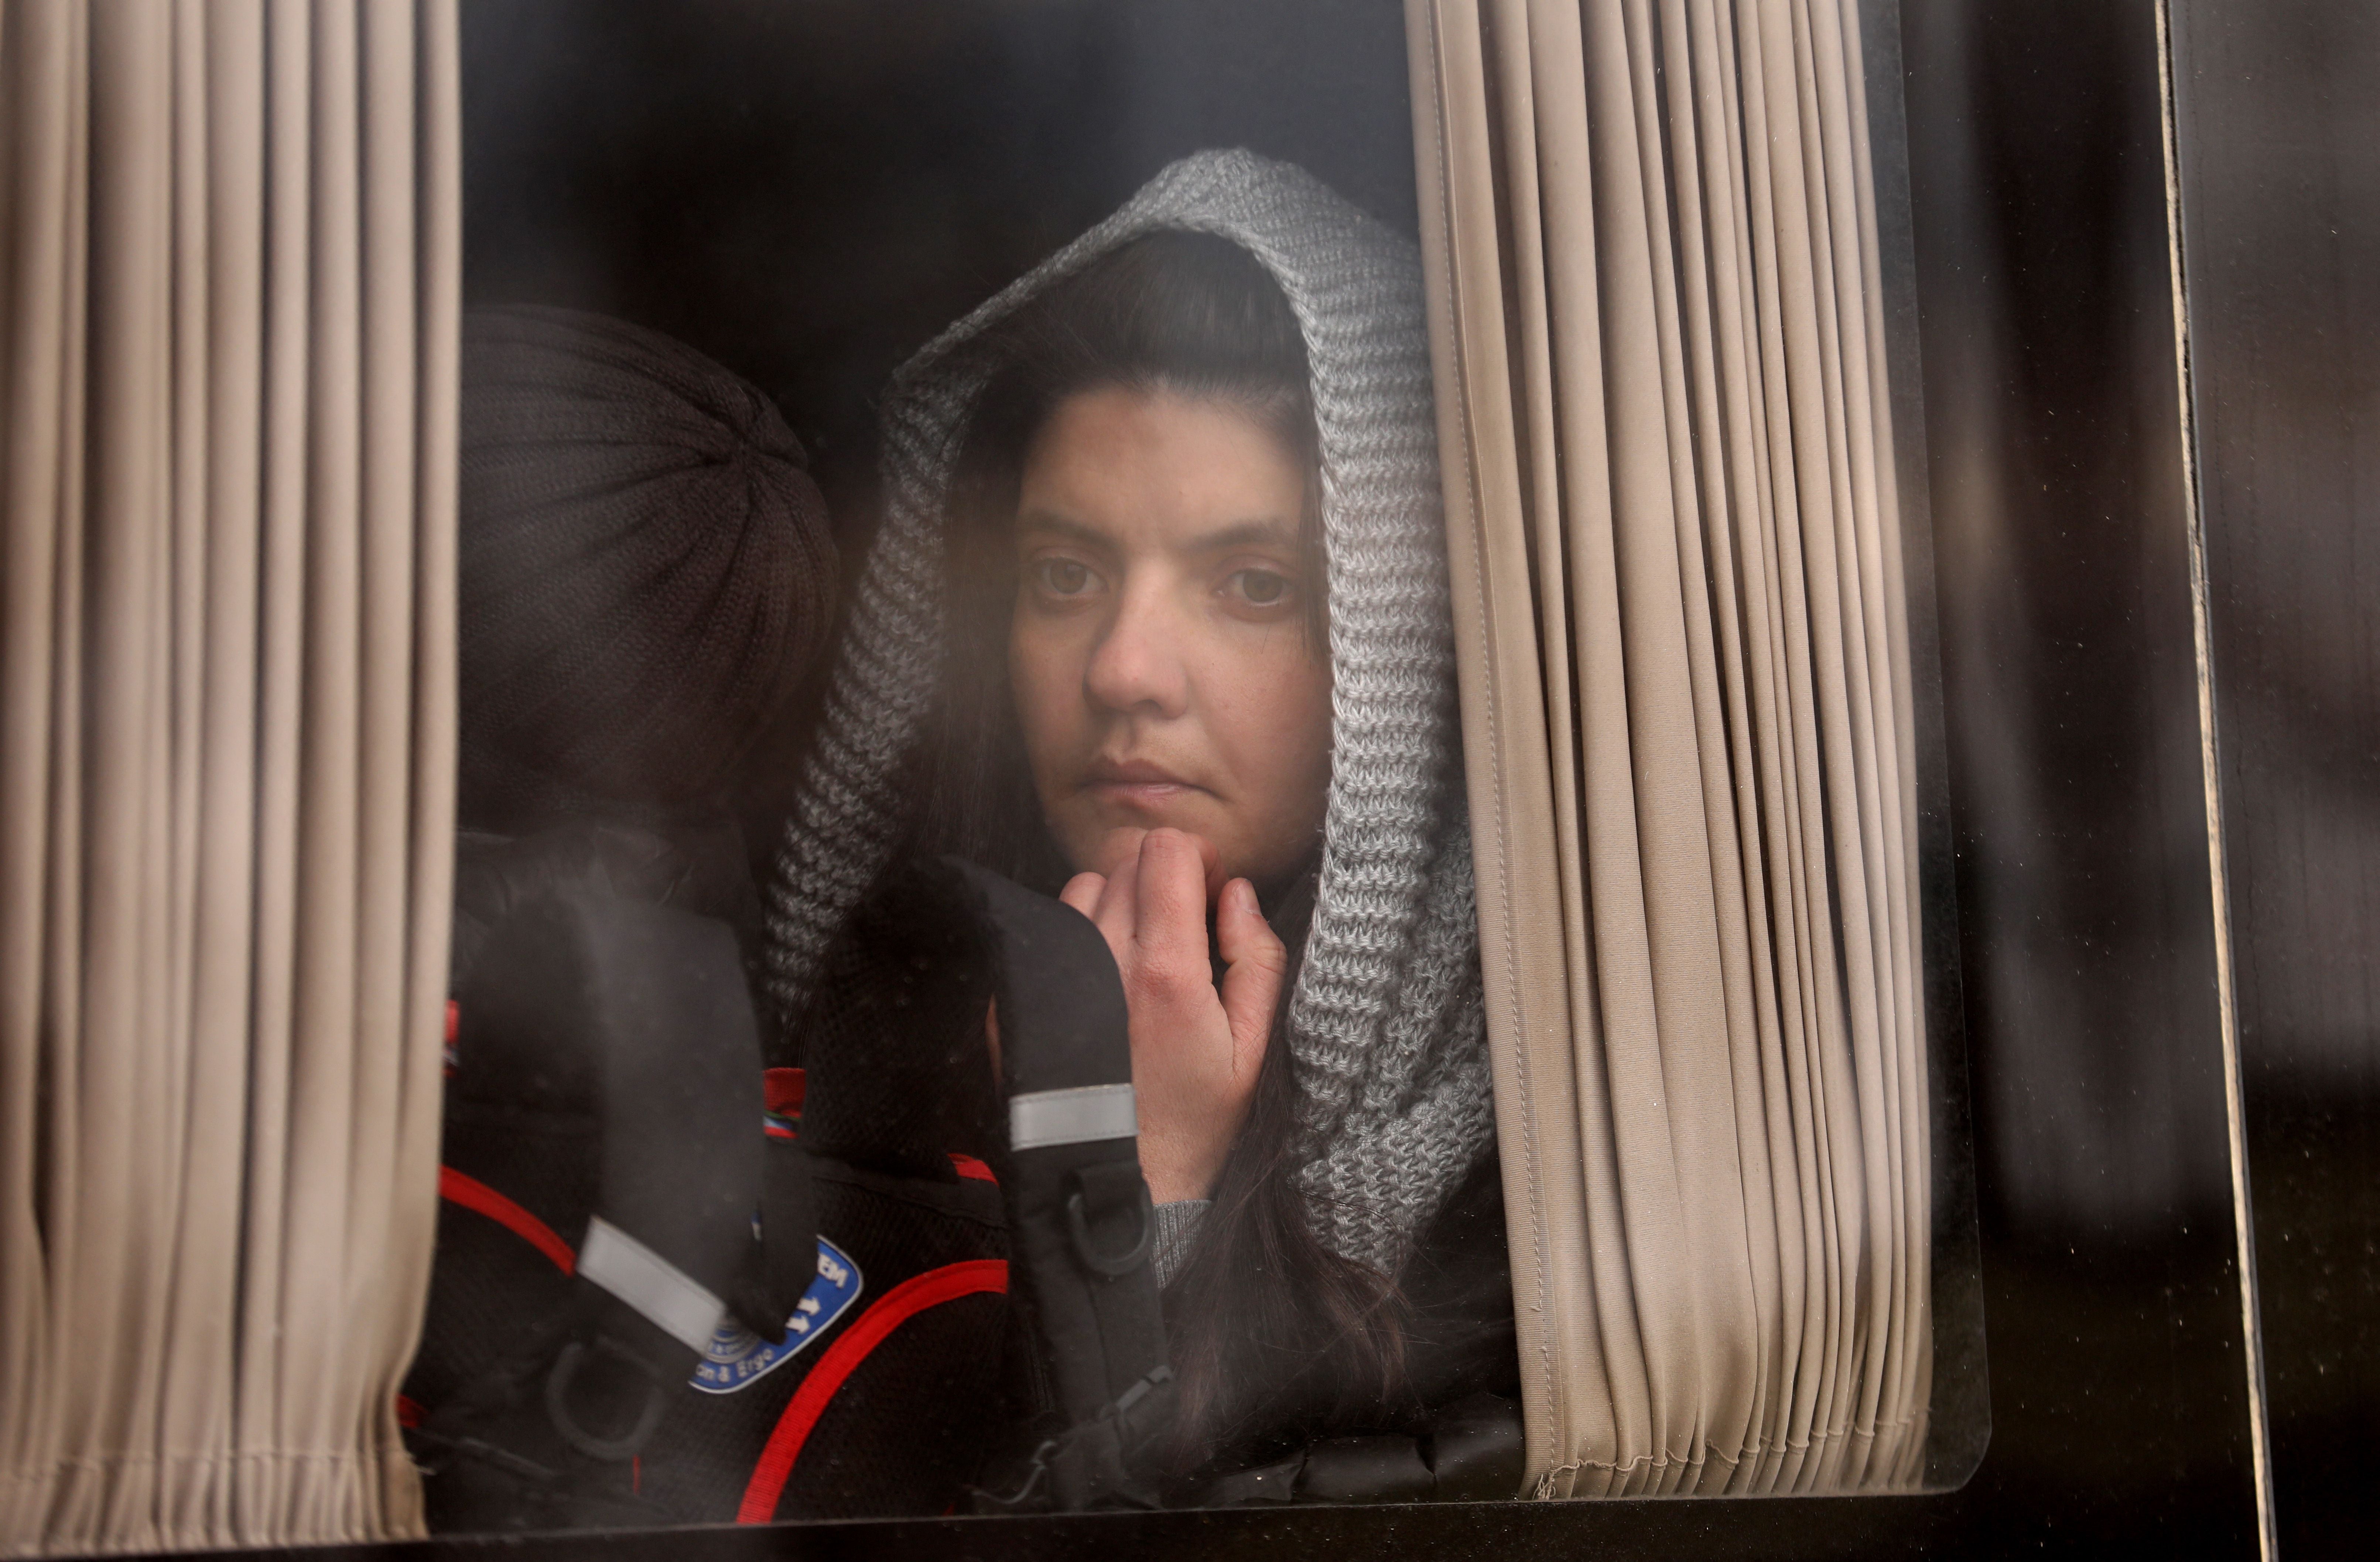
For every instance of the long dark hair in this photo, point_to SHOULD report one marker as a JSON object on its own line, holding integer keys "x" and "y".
{"x": 1273, "y": 1335}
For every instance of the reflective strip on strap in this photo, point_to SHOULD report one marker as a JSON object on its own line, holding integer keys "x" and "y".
{"x": 1070, "y": 1117}
{"x": 678, "y": 1304}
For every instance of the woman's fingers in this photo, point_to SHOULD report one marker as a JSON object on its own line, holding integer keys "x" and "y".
{"x": 1169, "y": 922}
{"x": 1210, "y": 865}
{"x": 1083, "y": 892}
{"x": 1116, "y": 912}
{"x": 1255, "y": 959}
{"x": 1195, "y": 1053}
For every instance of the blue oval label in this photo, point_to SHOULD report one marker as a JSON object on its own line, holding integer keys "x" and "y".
{"x": 736, "y": 1358}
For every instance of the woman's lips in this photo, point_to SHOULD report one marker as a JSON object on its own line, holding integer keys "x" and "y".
{"x": 1137, "y": 783}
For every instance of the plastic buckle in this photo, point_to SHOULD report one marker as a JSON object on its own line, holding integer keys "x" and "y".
{"x": 1036, "y": 1469}
{"x": 1054, "y": 1450}
{"x": 557, "y": 1402}
{"x": 1078, "y": 1223}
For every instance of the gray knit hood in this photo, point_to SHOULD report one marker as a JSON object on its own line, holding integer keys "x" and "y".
{"x": 1385, "y": 1023}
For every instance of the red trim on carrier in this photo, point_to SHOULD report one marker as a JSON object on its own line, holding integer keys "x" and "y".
{"x": 473, "y": 1194}
{"x": 895, "y": 1308}
{"x": 972, "y": 1170}
{"x": 782, "y": 1091}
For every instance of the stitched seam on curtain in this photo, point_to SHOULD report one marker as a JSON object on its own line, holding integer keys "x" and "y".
{"x": 1709, "y": 1456}
{"x": 196, "y": 1461}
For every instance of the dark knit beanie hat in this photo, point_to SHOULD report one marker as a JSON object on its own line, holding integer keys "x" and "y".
{"x": 647, "y": 570}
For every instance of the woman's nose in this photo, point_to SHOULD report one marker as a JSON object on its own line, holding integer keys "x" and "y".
{"x": 1137, "y": 662}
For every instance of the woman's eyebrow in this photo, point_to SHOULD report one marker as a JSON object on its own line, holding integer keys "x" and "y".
{"x": 1245, "y": 534}
{"x": 1049, "y": 521}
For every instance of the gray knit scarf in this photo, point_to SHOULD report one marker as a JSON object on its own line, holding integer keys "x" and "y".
{"x": 1385, "y": 1026}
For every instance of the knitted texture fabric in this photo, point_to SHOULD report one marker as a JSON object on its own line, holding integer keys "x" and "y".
{"x": 647, "y": 570}
{"x": 1385, "y": 1026}
{"x": 1176, "y": 1227}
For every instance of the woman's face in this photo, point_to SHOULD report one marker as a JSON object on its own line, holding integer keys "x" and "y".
{"x": 1158, "y": 652}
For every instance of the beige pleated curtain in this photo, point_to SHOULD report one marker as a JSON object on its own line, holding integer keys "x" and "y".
{"x": 1650, "y": 234}
{"x": 228, "y": 294}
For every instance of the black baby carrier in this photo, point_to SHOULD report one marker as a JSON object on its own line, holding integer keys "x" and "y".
{"x": 686, "y": 1273}
{"x": 677, "y": 1285}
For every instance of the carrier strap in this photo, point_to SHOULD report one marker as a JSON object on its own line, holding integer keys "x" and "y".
{"x": 1081, "y": 1227}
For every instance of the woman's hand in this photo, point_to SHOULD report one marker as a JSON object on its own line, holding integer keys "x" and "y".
{"x": 1195, "y": 1052}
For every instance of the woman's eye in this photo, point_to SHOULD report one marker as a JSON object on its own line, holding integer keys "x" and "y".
{"x": 1063, "y": 577}
{"x": 1260, "y": 588}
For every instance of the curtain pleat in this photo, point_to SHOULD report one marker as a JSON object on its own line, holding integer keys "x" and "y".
{"x": 228, "y": 305}
{"x": 1649, "y": 229}
{"x": 418, "y": 1080}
